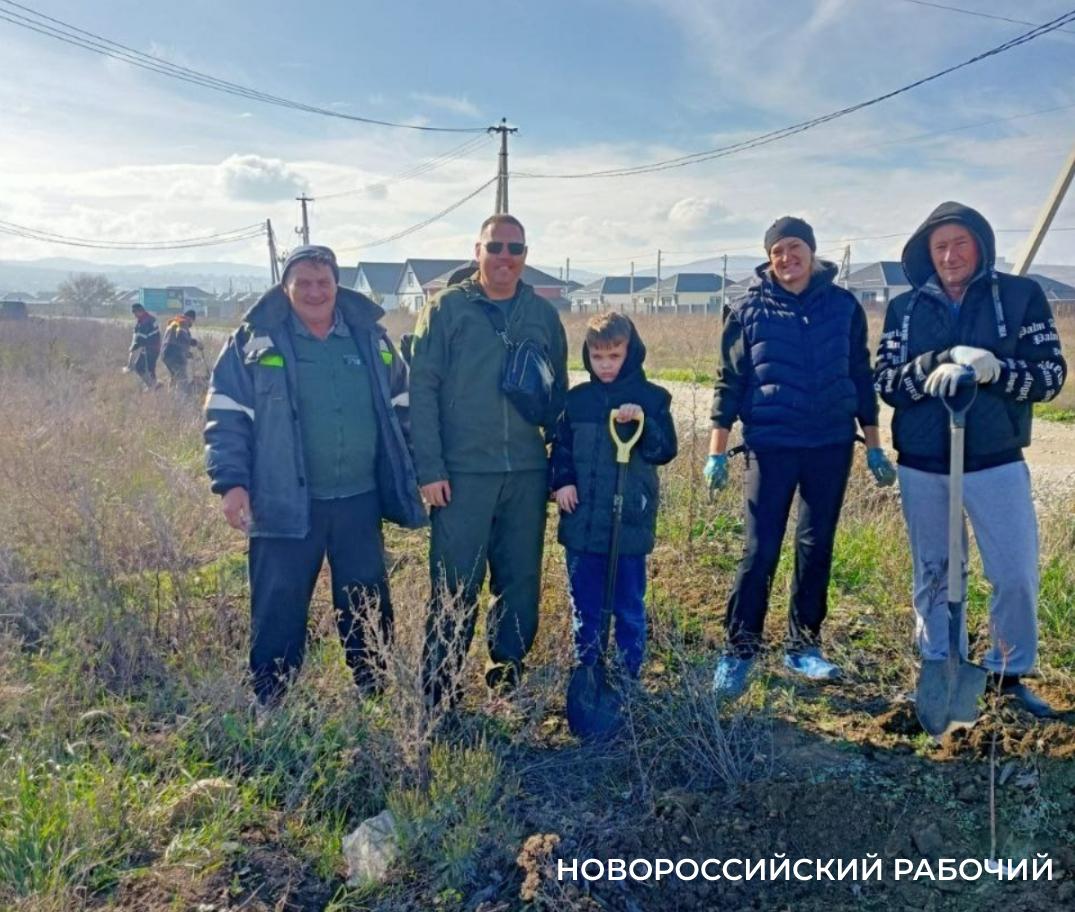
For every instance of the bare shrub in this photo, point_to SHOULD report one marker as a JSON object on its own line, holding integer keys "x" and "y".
{"x": 425, "y": 648}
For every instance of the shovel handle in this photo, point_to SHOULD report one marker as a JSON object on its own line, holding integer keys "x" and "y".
{"x": 624, "y": 447}
{"x": 959, "y": 403}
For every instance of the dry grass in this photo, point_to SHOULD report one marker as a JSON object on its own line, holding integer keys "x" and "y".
{"x": 123, "y": 636}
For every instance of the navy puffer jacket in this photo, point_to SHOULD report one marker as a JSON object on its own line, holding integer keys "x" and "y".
{"x": 795, "y": 369}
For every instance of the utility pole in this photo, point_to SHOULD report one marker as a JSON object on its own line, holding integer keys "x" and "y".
{"x": 502, "y": 165}
{"x": 657, "y": 287}
{"x": 632, "y": 287}
{"x": 845, "y": 267}
{"x": 1045, "y": 217}
{"x": 274, "y": 265}
{"x": 305, "y": 229}
{"x": 724, "y": 284}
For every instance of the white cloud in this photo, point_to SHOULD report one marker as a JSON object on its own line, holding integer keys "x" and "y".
{"x": 692, "y": 214}
{"x": 455, "y": 105}
{"x": 256, "y": 179}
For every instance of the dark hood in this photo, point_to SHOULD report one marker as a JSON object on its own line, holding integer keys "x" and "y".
{"x": 632, "y": 364}
{"x": 917, "y": 263}
{"x": 273, "y": 307}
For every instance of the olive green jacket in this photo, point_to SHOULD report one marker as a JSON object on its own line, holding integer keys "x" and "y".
{"x": 461, "y": 421}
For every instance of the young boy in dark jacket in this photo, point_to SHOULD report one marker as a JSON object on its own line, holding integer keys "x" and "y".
{"x": 583, "y": 476}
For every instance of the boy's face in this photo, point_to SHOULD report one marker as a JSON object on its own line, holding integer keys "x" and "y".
{"x": 607, "y": 360}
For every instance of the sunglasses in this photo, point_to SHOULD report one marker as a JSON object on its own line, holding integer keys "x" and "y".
{"x": 514, "y": 247}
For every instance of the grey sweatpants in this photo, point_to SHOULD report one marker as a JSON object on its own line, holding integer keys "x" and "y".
{"x": 1001, "y": 512}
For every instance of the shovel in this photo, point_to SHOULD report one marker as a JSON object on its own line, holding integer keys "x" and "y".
{"x": 594, "y": 704}
{"x": 949, "y": 689}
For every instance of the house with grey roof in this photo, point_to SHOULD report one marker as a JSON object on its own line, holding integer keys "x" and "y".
{"x": 554, "y": 290}
{"x": 415, "y": 274}
{"x": 380, "y": 283}
{"x": 1060, "y": 295}
{"x": 877, "y": 284}
{"x": 348, "y": 274}
{"x": 684, "y": 292}
{"x": 610, "y": 293}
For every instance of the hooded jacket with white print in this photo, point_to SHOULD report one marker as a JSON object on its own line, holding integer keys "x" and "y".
{"x": 1005, "y": 314}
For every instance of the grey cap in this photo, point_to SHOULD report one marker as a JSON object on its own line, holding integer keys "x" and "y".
{"x": 314, "y": 252}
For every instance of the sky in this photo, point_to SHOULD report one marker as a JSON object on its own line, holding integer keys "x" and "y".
{"x": 96, "y": 148}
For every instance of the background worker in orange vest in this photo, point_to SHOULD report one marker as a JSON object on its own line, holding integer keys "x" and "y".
{"x": 176, "y": 349}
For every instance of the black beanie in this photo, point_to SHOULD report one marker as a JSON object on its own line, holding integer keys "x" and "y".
{"x": 789, "y": 226}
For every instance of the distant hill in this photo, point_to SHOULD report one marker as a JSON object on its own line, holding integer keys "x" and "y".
{"x": 46, "y": 274}
{"x": 739, "y": 267}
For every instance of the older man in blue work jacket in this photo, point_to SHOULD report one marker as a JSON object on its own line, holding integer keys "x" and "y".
{"x": 305, "y": 444}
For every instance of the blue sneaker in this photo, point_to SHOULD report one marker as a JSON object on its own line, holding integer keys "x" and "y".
{"x": 810, "y": 664}
{"x": 730, "y": 677}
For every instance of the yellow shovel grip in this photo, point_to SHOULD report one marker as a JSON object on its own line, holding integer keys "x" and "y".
{"x": 624, "y": 447}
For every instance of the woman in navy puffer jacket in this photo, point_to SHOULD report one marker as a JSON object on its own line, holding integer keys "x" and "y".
{"x": 794, "y": 368}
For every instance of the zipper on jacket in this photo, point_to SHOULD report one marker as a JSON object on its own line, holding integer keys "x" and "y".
{"x": 507, "y": 417}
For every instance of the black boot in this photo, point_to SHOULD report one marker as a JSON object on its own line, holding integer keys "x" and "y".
{"x": 1025, "y": 698}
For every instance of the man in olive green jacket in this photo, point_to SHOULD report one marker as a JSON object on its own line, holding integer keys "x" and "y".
{"x": 481, "y": 466}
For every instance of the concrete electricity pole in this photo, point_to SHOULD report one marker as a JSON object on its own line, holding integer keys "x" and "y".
{"x": 502, "y": 165}
{"x": 657, "y": 287}
{"x": 305, "y": 229}
{"x": 1045, "y": 218}
{"x": 724, "y": 284}
{"x": 274, "y": 265}
{"x": 845, "y": 267}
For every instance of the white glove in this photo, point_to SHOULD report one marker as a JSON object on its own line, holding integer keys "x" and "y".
{"x": 983, "y": 362}
{"x": 944, "y": 380}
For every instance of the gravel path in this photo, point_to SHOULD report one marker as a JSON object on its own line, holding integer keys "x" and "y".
{"x": 1051, "y": 455}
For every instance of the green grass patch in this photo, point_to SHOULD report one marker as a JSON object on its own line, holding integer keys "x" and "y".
{"x": 1050, "y": 412}
{"x": 66, "y": 826}
{"x": 682, "y": 375}
{"x": 459, "y": 821}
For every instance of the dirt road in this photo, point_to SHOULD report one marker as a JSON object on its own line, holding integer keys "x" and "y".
{"x": 1051, "y": 455}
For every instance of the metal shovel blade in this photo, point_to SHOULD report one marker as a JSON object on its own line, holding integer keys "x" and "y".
{"x": 594, "y": 704}
{"x": 949, "y": 690}
{"x": 967, "y": 679}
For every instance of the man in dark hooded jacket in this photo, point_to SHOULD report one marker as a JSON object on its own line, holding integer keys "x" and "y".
{"x": 961, "y": 313}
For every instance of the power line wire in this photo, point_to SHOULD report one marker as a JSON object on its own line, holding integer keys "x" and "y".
{"x": 419, "y": 170}
{"x": 423, "y": 224}
{"x": 235, "y": 235}
{"x": 801, "y": 127}
{"x": 710, "y": 253}
{"x": 978, "y": 13}
{"x": 91, "y": 41}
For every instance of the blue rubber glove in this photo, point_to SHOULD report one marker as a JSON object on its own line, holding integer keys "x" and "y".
{"x": 716, "y": 471}
{"x": 883, "y": 471}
